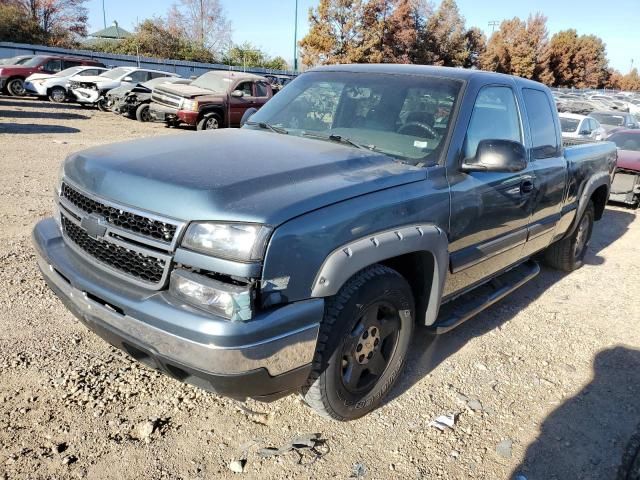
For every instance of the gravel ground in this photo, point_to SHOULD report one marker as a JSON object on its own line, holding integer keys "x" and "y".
{"x": 544, "y": 384}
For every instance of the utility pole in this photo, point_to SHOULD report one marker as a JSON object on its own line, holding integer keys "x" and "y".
{"x": 295, "y": 40}
{"x": 104, "y": 15}
{"x": 493, "y": 24}
{"x": 202, "y": 22}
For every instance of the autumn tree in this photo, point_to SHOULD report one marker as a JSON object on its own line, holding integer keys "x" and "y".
{"x": 476, "y": 44}
{"x": 578, "y": 61}
{"x": 334, "y": 34}
{"x": 445, "y": 37}
{"x": 630, "y": 81}
{"x": 60, "y": 21}
{"x": 16, "y": 26}
{"x": 201, "y": 21}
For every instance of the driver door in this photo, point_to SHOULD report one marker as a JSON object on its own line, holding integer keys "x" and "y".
{"x": 238, "y": 105}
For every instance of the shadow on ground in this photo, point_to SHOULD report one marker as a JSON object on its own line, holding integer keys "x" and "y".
{"x": 429, "y": 351}
{"x": 32, "y": 128}
{"x": 37, "y": 103}
{"x": 41, "y": 115}
{"x": 587, "y": 436}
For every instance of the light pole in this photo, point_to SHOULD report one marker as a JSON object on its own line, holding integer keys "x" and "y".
{"x": 104, "y": 15}
{"x": 295, "y": 40}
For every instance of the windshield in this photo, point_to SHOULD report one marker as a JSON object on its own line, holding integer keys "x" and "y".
{"x": 115, "y": 73}
{"x": 68, "y": 72}
{"x": 569, "y": 125}
{"x": 213, "y": 81}
{"x": 609, "y": 119}
{"x": 626, "y": 141}
{"x": 35, "y": 61}
{"x": 404, "y": 116}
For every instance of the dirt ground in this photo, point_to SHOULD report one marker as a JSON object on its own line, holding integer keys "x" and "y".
{"x": 543, "y": 385}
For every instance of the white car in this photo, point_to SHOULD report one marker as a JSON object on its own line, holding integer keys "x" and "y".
{"x": 55, "y": 85}
{"x": 92, "y": 90}
{"x": 581, "y": 126}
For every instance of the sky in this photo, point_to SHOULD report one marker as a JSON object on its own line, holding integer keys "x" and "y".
{"x": 269, "y": 24}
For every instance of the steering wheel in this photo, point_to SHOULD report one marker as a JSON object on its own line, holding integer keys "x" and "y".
{"x": 430, "y": 131}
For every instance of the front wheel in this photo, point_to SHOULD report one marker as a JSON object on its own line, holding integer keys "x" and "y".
{"x": 15, "y": 87}
{"x": 58, "y": 95}
{"x": 362, "y": 345}
{"x": 568, "y": 254}
{"x": 142, "y": 113}
{"x": 102, "y": 105}
{"x": 212, "y": 122}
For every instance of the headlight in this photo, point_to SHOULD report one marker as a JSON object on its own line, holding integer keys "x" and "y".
{"x": 191, "y": 105}
{"x": 229, "y": 301}
{"x": 234, "y": 241}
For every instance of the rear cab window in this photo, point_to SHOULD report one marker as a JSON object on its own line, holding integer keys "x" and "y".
{"x": 544, "y": 137}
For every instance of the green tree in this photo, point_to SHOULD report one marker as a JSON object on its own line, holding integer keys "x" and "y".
{"x": 16, "y": 26}
{"x": 248, "y": 55}
{"x": 445, "y": 39}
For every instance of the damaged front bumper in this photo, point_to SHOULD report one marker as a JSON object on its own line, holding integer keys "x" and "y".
{"x": 86, "y": 95}
{"x": 265, "y": 358}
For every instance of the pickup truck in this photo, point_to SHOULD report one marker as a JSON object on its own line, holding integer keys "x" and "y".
{"x": 214, "y": 100}
{"x": 301, "y": 251}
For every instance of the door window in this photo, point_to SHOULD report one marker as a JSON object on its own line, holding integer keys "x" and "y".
{"x": 153, "y": 75}
{"x": 543, "y": 128}
{"x": 53, "y": 65}
{"x": 71, "y": 63}
{"x": 494, "y": 117}
{"x": 139, "y": 76}
{"x": 89, "y": 72}
{"x": 246, "y": 88}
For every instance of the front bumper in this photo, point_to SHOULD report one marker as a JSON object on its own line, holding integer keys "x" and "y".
{"x": 162, "y": 113}
{"x": 265, "y": 358}
{"x": 36, "y": 89}
{"x": 86, "y": 95}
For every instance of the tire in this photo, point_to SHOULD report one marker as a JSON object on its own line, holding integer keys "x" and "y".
{"x": 210, "y": 122}
{"x": 568, "y": 254}
{"x": 142, "y": 113}
{"x": 58, "y": 95}
{"x": 368, "y": 324}
{"x": 15, "y": 87}
{"x": 102, "y": 105}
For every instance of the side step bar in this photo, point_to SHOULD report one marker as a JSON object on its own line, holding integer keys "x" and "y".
{"x": 463, "y": 308}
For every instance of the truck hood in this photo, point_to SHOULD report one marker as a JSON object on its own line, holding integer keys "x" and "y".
{"x": 186, "y": 91}
{"x": 629, "y": 160}
{"x": 233, "y": 175}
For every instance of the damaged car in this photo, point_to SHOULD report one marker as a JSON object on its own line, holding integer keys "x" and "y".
{"x": 133, "y": 102}
{"x": 93, "y": 90}
{"x": 214, "y": 100}
{"x": 55, "y": 86}
{"x": 626, "y": 183}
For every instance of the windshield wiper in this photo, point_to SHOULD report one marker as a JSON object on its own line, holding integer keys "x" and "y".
{"x": 268, "y": 126}
{"x": 341, "y": 139}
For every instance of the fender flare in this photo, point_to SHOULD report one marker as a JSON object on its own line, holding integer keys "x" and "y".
{"x": 213, "y": 110}
{"x": 345, "y": 261}
{"x": 592, "y": 185}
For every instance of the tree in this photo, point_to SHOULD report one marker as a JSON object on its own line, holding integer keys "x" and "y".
{"x": 16, "y": 26}
{"x": 201, "y": 21}
{"x": 445, "y": 39}
{"x": 631, "y": 81}
{"x": 249, "y": 55}
{"x": 476, "y": 44}
{"x": 334, "y": 34}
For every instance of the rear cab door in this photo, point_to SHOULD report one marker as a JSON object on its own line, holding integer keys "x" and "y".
{"x": 548, "y": 176}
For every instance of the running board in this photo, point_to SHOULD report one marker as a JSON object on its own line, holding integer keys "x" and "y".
{"x": 470, "y": 304}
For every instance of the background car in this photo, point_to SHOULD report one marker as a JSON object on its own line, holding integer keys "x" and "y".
{"x": 134, "y": 102}
{"x": 54, "y": 86}
{"x": 18, "y": 60}
{"x": 612, "y": 121}
{"x": 626, "y": 183}
{"x": 581, "y": 126}
{"x": 12, "y": 77}
{"x": 93, "y": 90}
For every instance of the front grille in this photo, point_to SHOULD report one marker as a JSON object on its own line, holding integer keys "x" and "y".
{"x": 164, "y": 98}
{"x": 132, "y": 222}
{"x": 145, "y": 268}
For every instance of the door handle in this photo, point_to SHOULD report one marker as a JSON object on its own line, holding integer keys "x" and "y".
{"x": 526, "y": 186}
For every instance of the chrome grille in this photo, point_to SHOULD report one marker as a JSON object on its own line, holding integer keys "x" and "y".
{"x": 165, "y": 98}
{"x": 145, "y": 268}
{"x": 141, "y": 225}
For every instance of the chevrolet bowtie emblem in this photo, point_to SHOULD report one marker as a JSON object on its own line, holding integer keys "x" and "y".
{"x": 94, "y": 226}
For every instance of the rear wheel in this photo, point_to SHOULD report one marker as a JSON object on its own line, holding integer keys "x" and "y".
{"x": 15, "y": 87}
{"x": 142, "y": 113}
{"x": 211, "y": 122}
{"x": 568, "y": 254}
{"x": 362, "y": 345}
{"x": 58, "y": 95}
{"x": 102, "y": 105}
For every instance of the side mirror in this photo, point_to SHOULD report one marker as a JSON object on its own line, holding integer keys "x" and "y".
{"x": 127, "y": 79}
{"x": 247, "y": 115}
{"x": 584, "y": 132}
{"x": 237, "y": 93}
{"x": 497, "y": 156}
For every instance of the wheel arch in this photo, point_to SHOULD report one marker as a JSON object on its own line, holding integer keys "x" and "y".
{"x": 418, "y": 252}
{"x": 213, "y": 110}
{"x": 596, "y": 189}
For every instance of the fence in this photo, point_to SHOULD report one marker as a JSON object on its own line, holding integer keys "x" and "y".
{"x": 181, "y": 67}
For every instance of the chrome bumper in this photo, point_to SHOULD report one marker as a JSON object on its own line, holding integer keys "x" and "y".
{"x": 279, "y": 341}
